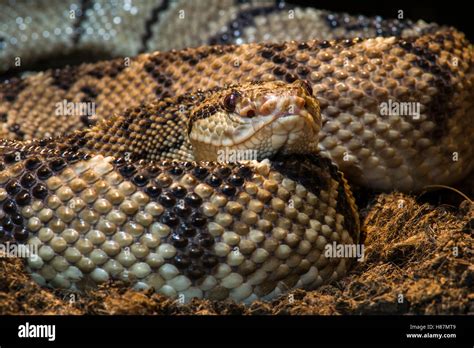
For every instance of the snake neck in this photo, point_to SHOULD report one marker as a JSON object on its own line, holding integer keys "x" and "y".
{"x": 155, "y": 131}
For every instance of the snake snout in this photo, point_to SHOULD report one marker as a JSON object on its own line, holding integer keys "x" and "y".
{"x": 301, "y": 103}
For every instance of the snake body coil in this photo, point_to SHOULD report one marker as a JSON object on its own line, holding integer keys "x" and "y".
{"x": 192, "y": 229}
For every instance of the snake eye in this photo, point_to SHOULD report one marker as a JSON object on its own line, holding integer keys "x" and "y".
{"x": 230, "y": 101}
{"x": 305, "y": 84}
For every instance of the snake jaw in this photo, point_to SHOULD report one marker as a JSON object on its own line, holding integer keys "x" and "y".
{"x": 269, "y": 118}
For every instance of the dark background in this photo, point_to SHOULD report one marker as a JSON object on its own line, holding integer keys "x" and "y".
{"x": 453, "y": 13}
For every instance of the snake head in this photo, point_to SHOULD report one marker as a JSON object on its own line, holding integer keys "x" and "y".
{"x": 254, "y": 121}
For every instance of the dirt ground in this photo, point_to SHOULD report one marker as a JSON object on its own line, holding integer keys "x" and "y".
{"x": 419, "y": 260}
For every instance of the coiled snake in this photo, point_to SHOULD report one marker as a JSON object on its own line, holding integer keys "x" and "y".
{"x": 107, "y": 201}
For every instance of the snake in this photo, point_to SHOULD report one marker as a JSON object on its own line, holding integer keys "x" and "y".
{"x": 136, "y": 190}
{"x": 198, "y": 228}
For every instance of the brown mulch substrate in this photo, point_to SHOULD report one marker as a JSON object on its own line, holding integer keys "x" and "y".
{"x": 419, "y": 260}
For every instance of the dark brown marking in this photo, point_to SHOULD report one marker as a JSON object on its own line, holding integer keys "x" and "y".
{"x": 10, "y": 88}
{"x": 244, "y": 19}
{"x": 150, "y": 22}
{"x": 80, "y": 19}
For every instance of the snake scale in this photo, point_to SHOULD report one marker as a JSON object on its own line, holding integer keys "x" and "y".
{"x": 102, "y": 196}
